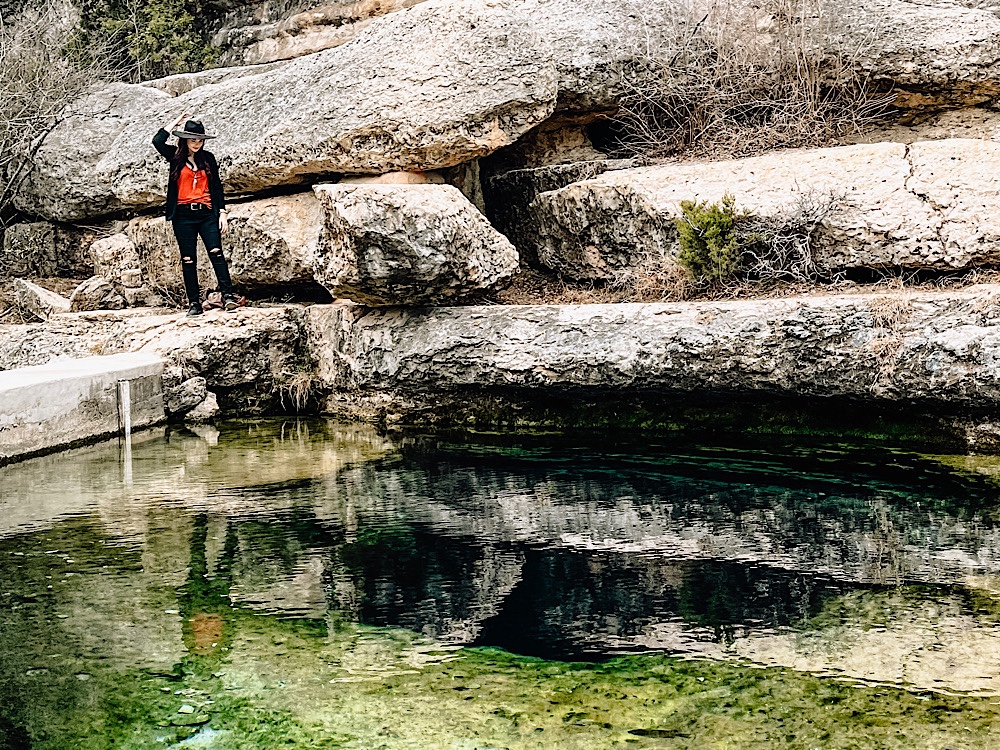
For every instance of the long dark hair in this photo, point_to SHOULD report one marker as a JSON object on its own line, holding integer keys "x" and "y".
{"x": 180, "y": 157}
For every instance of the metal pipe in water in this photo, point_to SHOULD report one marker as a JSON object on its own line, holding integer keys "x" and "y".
{"x": 125, "y": 425}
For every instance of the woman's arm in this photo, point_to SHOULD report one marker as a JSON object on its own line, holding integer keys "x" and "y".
{"x": 160, "y": 139}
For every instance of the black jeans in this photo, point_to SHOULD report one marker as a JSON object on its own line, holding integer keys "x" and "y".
{"x": 188, "y": 224}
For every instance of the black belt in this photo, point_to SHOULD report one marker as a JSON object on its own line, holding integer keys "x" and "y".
{"x": 195, "y": 206}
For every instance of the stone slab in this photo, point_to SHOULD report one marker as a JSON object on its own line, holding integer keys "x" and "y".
{"x": 67, "y": 401}
{"x": 903, "y": 347}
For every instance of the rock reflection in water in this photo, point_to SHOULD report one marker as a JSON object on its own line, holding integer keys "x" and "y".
{"x": 779, "y": 554}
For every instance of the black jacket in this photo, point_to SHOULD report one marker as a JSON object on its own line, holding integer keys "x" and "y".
{"x": 204, "y": 160}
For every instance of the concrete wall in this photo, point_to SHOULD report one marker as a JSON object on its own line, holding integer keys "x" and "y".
{"x": 64, "y": 402}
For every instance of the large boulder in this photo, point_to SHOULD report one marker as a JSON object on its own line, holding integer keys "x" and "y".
{"x": 270, "y": 242}
{"x": 931, "y": 54}
{"x": 181, "y": 83}
{"x": 427, "y": 88}
{"x": 407, "y": 244}
{"x": 116, "y": 259}
{"x": 66, "y": 183}
{"x": 926, "y": 206}
{"x": 41, "y": 248}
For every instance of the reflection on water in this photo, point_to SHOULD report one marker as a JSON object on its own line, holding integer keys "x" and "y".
{"x": 265, "y": 541}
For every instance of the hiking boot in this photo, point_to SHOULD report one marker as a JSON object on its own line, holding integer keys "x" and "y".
{"x": 230, "y": 302}
{"x": 194, "y": 310}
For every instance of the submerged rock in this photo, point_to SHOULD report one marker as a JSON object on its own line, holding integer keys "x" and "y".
{"x": 407, "y": 244}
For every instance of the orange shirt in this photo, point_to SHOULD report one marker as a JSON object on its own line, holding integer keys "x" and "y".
{"x": 192, "y": 187}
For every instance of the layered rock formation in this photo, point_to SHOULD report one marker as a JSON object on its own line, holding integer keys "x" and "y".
{"x": 430, "y": 88}
{"x": 246, "y": 358}
{"x": 923, "y": 206}
{"x": 316, "y": 28}
{"x": 903, "y": 347}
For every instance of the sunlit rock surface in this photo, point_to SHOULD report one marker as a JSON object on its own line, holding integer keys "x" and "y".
{"x": 934, "y": 53}
{"x": 920, "y": 206}
{"x": 931, "y": 347}
{"x": 407, "y": 244}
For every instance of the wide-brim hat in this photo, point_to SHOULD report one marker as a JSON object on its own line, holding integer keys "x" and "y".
{"x": 193, "y": 129}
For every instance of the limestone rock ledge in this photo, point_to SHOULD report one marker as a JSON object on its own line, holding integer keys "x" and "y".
{"x": 923, "y": 206}
{"x": 245, "y": 357}
{"x": 937, "y": 348}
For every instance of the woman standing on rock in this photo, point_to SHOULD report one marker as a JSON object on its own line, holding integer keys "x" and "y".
{"x": 195, "y": 206}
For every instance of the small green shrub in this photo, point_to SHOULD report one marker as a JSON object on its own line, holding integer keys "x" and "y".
{"x": 710, "y": 244}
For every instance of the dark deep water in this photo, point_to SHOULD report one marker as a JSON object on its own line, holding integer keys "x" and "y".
{"x": 320, "y": 585}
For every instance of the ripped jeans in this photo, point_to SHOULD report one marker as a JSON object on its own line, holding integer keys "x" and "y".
{"x": 188, "y": 224}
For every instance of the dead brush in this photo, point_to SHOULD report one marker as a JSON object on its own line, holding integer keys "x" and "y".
{"x": 41, "y": 80}
{"x": 779, "y": 247}
{"x": 298, "y": 388}
{"x": 738, "y": 78}
{"x": 655, "y": 278}
{"x": 889, "y": 313}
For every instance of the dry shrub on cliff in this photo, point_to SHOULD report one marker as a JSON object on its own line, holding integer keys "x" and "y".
{"x": 780, "y": 247}
{"x": 741, "y": 77}
{"x": 41, "y": 74}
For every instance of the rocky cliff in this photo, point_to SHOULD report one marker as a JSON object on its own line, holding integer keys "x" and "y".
{"x": 404, "y": 155}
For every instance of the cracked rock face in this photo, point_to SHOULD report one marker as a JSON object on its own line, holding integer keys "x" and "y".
{"x": 940, "y": 347}
{"x": 933, "y": 53}
{"x": 407, "y": 244}
{"x": 925, "y": 206}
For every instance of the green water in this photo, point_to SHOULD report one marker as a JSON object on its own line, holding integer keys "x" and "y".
{"x": 308, "y": 584}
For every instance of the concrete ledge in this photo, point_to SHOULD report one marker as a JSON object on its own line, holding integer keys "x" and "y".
{"x": 69, "y": 401}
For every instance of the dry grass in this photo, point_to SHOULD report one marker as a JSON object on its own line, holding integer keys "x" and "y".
{"x": 738, "y": 78}
{"x": 298, "y": 387}
{"x": 889, "y": 311}
{"x": 531, "y": 287}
